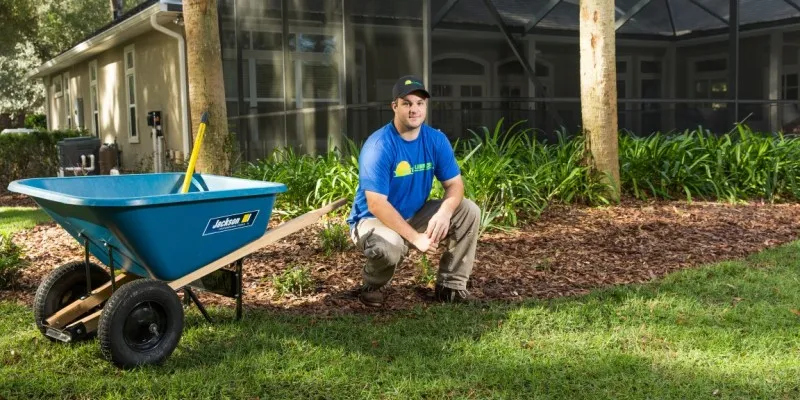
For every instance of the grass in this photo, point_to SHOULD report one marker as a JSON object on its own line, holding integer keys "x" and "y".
{"x": 13, "y": 219}
{"x": 725, "y": 331}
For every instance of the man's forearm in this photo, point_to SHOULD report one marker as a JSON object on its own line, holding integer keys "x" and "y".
{"x": 453, "y": 195}
{"x": 388, "y": 215}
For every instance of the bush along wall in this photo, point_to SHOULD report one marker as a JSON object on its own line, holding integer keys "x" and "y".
{"x": 512, "y": 176}
{"x": 30, "y": 155}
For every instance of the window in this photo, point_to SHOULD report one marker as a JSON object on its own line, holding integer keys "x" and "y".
{"x": 710, "y": 81}
{"x": 790, "y": 87}
{"x": 57, "y": 89}
{"x": 320, "y": 80}
{"x": 130, "y": 90}
{"x": 67, "y": 102}
{"x": 93, "y": 98}
{"x": 313, "y": 71}
{"x": 650, "y": 87}
{"x": 308, "y": 43}
{"x": 471, "y": 91}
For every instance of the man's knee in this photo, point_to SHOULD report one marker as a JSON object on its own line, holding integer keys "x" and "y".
{"x": 381, "y": 250}
{"x": 472, "y": 211}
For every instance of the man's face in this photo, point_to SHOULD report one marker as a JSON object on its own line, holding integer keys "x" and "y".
{"x": 410, "y": 111}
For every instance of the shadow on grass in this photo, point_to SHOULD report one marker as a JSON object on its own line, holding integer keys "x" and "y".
{"x": 684, "y": 337}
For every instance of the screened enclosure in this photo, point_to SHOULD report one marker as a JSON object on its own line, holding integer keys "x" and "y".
{"x": 309, "y": 73}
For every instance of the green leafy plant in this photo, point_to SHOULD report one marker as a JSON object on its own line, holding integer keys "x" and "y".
{"x": 736, "y": 166}
{"x": 427, "y": 275}
{"x": 296, "y": 280}
{"x": 11, "y": 262}
{"x": 36, "y": 121}
{"x": 312, "y": 181}
{"x": 334, "y": 237}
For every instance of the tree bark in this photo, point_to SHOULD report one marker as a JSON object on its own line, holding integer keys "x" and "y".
{"x": 206, "y": 87}
{"x": 599, "y": 89}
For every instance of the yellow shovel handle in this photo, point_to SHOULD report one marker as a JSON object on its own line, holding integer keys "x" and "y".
{"x": 198, "y": 141}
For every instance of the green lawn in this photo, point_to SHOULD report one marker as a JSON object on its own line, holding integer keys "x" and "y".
{"x": 17, "y": 218}
{"x": 724, "y": 331}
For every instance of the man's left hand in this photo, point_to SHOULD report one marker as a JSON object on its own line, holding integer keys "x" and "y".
{"x": 438, "y": 225}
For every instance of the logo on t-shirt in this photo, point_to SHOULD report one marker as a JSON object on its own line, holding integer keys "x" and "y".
{"x": 405, "y": 169}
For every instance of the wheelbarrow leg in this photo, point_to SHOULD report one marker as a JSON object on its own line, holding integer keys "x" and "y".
{"x": 86, "y": 263}
{"x": 197, "y": 302}
{"x": 239, "y": 289}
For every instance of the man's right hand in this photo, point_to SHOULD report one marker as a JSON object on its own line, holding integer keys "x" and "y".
{"x": 424, "y": 244}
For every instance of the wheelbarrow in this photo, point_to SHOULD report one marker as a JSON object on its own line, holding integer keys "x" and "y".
{"x": 154, "y": 241}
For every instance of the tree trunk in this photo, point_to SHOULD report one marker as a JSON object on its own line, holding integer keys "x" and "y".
{"x": 206, "y": 87}
{"x": 599, "y": 89}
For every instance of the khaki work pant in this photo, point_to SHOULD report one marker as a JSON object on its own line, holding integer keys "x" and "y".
{"x": 385, "y": 249}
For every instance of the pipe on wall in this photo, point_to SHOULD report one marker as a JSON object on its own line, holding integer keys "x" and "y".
{"x": 182, "y": 66}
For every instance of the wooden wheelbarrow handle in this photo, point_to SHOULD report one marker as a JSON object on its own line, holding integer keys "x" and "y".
{"x": 271, "y": 236}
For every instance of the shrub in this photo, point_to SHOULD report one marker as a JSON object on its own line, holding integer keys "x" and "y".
{"x": 30, "y": 155}
{"x": 312, "y": 181}
{"x": 296, "y": 280}
{"x": 36, "y": 121}
{"x": 508, "y": 171}
{"x": 741, "y": 165}
{"x": 11, "y": 261}
{"x": 335, "y": 237}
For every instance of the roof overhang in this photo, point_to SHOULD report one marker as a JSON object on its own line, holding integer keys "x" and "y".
{"x": 135, "y": 25}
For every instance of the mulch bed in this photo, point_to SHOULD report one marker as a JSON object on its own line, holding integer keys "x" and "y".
{"x": 569, "y": 250}
{"x": 15, "y": 200}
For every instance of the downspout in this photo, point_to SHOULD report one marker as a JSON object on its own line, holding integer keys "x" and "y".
{"x": 182, "y": 66}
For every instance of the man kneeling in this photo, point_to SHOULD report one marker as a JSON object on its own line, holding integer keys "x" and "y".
{"x": 397, "y": 165}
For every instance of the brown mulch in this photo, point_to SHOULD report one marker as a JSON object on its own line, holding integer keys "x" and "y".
{"x": 567, "y": 251}
{"x": 15, "y": 200}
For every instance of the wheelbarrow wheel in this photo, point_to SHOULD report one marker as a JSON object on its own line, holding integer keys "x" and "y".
{"x": 141, "y": 324}
{"x": 63, "y": 286}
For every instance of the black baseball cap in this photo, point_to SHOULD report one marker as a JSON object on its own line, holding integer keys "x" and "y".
{"x": 408, "y": 84}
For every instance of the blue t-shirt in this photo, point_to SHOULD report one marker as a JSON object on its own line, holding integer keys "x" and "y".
{"x": 402, "y": 170}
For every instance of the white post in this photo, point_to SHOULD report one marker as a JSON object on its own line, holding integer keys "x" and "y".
{"x": 775, "y": 64}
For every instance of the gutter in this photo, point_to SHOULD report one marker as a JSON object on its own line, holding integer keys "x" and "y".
{"x": 182, "y": 67}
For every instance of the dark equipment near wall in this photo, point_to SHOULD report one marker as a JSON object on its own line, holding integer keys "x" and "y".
{"x": 154, "y": 121}
{"x": 78, "y": 156}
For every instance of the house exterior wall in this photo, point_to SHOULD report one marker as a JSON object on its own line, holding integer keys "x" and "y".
{"x": 157, "y": 81}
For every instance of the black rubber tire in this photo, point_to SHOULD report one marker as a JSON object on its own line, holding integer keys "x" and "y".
{"x": 62, "y": 286}
{"x": 129, "y": 319}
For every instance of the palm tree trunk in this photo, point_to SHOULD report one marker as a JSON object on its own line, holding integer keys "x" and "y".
{"x": 599, "y": 89}
{"x": 206, "y": 87}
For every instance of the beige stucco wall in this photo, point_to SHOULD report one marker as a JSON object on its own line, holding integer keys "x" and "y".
{"x": 157, "y": 89}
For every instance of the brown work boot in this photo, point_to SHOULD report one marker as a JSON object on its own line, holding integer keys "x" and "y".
{"x": 371, "y": 296}
{"x": 447, "y": 295}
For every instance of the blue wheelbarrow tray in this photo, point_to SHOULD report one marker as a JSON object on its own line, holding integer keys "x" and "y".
{"x": 155, "y": 231}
